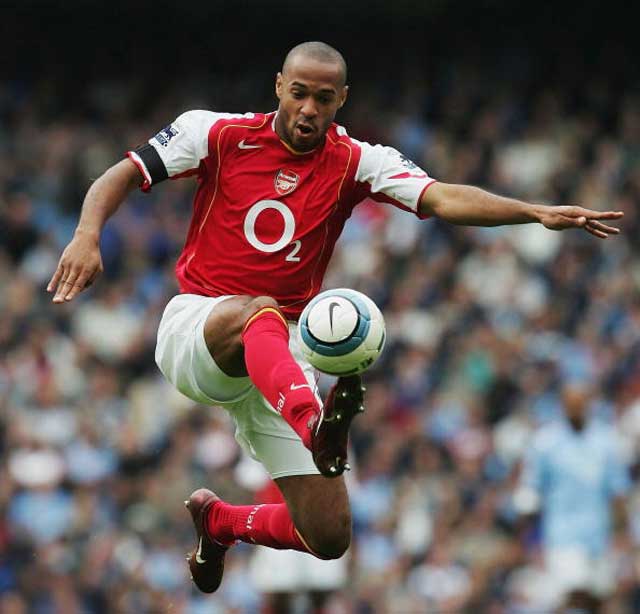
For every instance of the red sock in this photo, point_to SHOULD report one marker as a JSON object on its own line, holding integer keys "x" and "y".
{"x": 275, "y": 372}
{"x": 265, "y": 524}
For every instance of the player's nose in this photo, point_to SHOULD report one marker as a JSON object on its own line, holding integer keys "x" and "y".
{"x": 309, "y": 109}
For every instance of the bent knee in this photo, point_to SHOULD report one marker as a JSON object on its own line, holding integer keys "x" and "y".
{"x": 331, "y": 542}
{"x": 260, "y": 302}
{"x": 257, "y": 303}
{"x": 335, "y": 550}
{"x": 334, "y": 546}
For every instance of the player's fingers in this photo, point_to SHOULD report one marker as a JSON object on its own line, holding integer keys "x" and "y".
{"x": 51, "y": 286}
{"x": 78, "y": 286}
{"x": 578, "y": 212}
{"x": 595, "y": 232}
{"x": 612, "y": 230}
{"x": 70, "y": 283}
{"x": 67, "y": 281}
{"x": 58, "y": 297}
{"x": 605, "y": 215}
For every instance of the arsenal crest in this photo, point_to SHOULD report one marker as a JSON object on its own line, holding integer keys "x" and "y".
{"x": 286, "y": 182}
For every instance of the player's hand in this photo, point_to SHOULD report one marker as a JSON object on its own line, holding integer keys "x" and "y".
{"x": 79, "y": 266}
{"x": 569, "y": 216}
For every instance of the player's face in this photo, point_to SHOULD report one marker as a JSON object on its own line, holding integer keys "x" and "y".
{"x": 576, "y": 400}
{"x": 310, "y": 94}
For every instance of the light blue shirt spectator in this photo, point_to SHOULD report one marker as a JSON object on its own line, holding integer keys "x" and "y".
{"x": 573, "y": 476}
{"x": 46, "y": 516}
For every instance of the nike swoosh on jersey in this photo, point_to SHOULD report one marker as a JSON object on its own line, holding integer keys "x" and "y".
{"x": 243, "y": 145}
{"x": 294, "y": 387}
{"x": 199, "y": 558}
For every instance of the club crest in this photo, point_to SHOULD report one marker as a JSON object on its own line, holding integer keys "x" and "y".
{"x": 286, "y": 182}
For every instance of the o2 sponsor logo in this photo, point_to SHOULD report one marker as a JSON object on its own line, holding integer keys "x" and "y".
{"x": 287, "y": 233}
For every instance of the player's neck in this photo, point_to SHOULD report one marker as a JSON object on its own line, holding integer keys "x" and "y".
{"x": 578, "y": 424}
{"x": 282, "y": 135}
{"x": 294, "y": 151}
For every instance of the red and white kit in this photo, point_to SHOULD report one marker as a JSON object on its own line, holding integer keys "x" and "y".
{"x": 266, "y": 219}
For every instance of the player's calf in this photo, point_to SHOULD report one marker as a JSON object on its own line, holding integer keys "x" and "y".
{"x": 274, "y": 370}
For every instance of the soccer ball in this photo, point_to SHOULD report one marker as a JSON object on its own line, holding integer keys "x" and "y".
{"x": 341, "y": 332}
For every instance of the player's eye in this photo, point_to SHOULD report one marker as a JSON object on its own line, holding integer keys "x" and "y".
{"x": 298, "y": 95}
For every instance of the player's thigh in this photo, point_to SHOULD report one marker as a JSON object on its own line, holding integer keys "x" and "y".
{"x": 184, "y": 358}
{"x": 319, "y": 508}
{"x": 223, "y": 329}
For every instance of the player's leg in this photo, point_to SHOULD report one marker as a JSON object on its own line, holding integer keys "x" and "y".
{"x": 250, "y": 335}
{"x": 203, "y": 346}
{"x": 316, "y": 517}
{"x": 319, "y": 509}
{"x": 244, "y": 332}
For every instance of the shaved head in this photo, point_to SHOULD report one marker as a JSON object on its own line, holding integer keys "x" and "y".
{"x": 318, "y": 51}
{"x": 311, "y": 88}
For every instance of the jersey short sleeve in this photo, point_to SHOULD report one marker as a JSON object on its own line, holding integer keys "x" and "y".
{"x": 385, "y": 175}
{"x": 178, "y": 149}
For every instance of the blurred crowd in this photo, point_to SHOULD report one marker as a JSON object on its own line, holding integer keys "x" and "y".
{"x": 486, "y": 327}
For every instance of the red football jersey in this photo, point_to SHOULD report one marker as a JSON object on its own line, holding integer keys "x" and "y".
{"x": 266, "y": 219}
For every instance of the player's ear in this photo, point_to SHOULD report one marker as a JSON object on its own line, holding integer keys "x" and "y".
{"x": 343, "y": 99}
{"x": 279, "y": 85}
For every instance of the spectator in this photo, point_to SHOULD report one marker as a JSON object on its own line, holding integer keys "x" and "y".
{"x": 574, "y": 477}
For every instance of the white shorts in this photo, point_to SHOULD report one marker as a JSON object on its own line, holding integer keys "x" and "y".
{"x": 184, "y": 359}
{"x": 571, "y": 568}
{"x": 289, "y": 571}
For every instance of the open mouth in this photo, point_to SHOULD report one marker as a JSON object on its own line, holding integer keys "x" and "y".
{"x": 304, "y": 129}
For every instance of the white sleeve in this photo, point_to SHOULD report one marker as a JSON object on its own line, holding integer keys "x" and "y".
{"x": 179, "y": 148}
{"x": 390, "y": 177}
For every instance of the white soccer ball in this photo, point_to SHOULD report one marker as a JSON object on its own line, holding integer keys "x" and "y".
{"x": 341, "y": 332}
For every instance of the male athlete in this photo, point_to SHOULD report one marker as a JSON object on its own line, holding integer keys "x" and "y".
{"x": 274, "y": 191}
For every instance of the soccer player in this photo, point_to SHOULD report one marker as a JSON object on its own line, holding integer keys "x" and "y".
{"x": 574, "y": 476}
{"x": 273, "y": 194}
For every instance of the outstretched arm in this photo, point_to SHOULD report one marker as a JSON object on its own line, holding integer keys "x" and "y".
{"x": 467, "y": 205}
{"x": 81, "y": 262}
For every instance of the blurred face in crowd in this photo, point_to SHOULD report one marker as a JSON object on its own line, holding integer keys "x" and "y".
{"x": 310, "y": 92}
{"x": 576, "y": 401}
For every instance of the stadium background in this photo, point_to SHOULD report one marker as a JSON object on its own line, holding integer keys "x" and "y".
{"x": 97, "y": 452}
